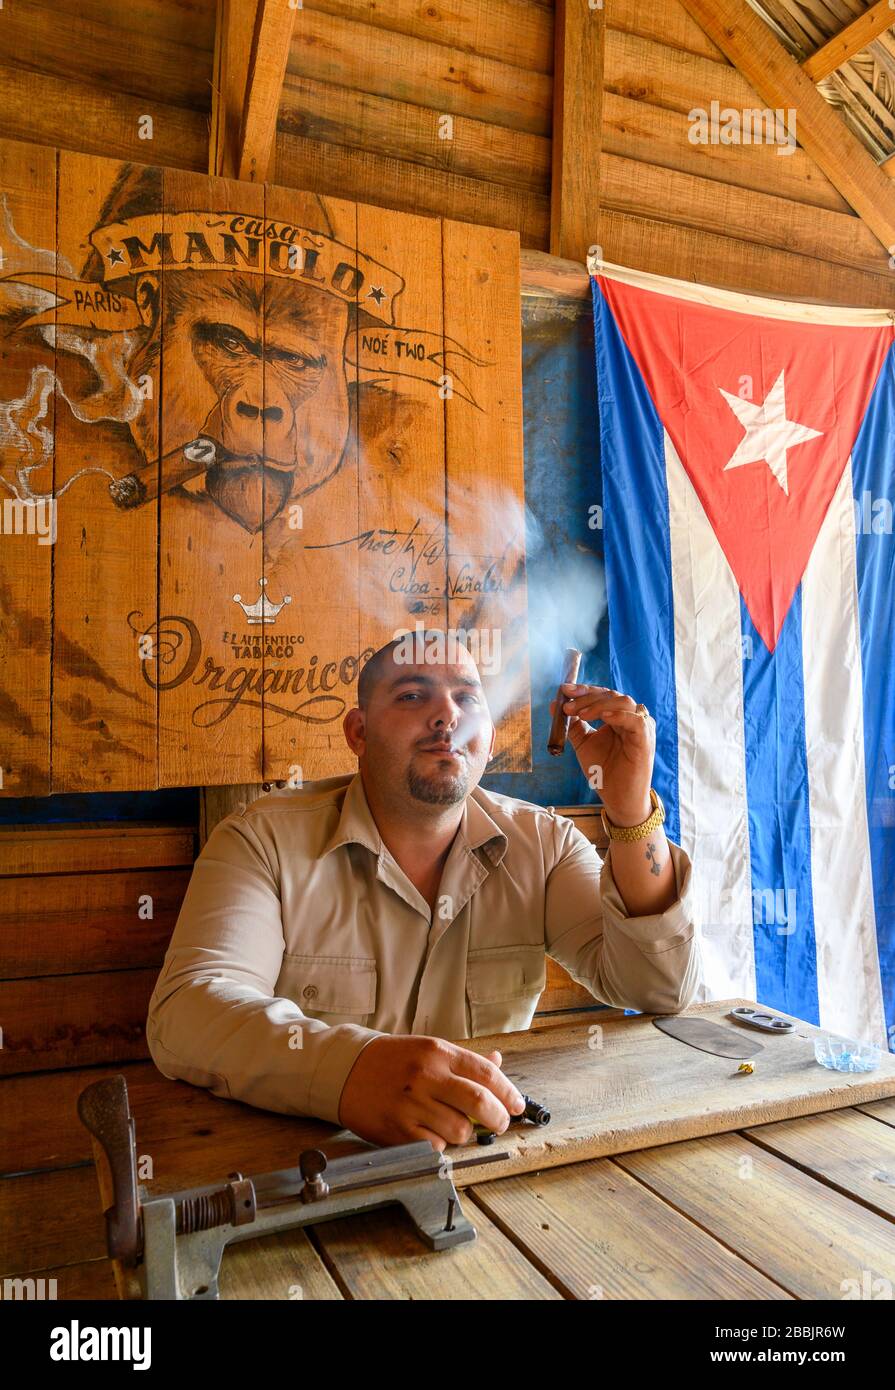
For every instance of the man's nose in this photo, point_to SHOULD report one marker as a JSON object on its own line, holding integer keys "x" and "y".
{"x": 447, "y": 715}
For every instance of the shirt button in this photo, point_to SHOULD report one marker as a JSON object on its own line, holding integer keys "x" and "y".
{"x": 309, "y": 992}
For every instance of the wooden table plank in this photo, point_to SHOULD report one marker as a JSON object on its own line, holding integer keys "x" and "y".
{"x": 284, "y": 1266}
{"x": 620, "y": 1085}
{"x": 49, "y": 1219}
{"x": 802, "y": 1234}
{"x": 379, "y": 1255}
{"x": 40, "y": 1128}
{"x": 598, "y": 1233}
{"x": 852, "y": 1152}
{"x": 91, "y": 1280}
{"x": 880, "y": 1110}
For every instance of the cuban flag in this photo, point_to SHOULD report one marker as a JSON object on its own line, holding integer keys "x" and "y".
{"x": 748, "y": 466}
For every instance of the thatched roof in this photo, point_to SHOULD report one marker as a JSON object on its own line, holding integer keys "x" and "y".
{"x": 863, "y": 88}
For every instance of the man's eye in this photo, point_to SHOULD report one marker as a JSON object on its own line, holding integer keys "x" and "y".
{"x": 410, "y": 695}
{"x": 230, "y": 344}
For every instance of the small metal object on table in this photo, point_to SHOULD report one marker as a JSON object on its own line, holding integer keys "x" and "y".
{"x": 759, "y": 1018}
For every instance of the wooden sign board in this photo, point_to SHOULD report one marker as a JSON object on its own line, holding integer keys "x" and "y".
{"x": 247, "y": 436}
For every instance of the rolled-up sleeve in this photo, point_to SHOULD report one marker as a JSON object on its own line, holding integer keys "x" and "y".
{"x": 214, "y": 1017}
{"x": 651, "y": 963}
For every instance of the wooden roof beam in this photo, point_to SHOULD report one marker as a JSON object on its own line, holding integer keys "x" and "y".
{"x": 233, "y": 35}
{"x": 577, "y": 128}
{"x": 851, "y": 40}
{"x": 748, "y": 43}
{"x": 251, "y": 51}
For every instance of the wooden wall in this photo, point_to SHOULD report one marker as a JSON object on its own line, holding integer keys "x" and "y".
{"x": 367, "y": 90}
{"x": 356, "y": 374}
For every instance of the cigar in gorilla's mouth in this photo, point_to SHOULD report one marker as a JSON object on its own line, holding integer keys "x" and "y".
{"x": 180, "y": 464}
{"x": 559, "y": 729}
{"x": 184, "y": 462}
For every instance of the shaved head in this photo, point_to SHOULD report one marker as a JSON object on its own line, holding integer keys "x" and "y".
{"x": 381, "y": 663}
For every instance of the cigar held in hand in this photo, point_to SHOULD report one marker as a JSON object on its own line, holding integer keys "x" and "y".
{"x": 559, "y": 729}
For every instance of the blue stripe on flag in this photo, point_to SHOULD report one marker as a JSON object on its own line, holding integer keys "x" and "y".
{"x": 779, "y": 820}
{"x": 873, "y": 473}
{"x": 637, "y": 545}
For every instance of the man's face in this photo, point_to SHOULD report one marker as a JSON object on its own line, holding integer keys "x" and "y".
{"x": 427, "y": 732}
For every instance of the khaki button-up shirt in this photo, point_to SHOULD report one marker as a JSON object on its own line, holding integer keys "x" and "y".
{"x": 300, "y": 940}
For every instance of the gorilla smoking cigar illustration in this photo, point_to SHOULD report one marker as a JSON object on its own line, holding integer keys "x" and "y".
{"x": 262, "y": 327}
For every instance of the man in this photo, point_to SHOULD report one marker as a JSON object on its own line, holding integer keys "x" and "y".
{"x": 333, "y": 939}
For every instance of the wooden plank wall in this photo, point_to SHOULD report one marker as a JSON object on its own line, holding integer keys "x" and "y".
{"x": 86, "y": 915}
{"x": 356, "y": 374}
{"x": 371, "y": 89}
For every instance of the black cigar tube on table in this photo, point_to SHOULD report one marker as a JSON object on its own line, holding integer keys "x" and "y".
{"x": 559, "y": 729}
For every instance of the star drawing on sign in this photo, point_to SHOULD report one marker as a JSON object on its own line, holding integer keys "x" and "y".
{"x": 115, "y": 257}
{"x": 377, "y": 293}
{"x": 768, "y": 432}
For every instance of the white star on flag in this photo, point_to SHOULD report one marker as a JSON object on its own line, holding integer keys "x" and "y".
{"x": 768, "y": 432}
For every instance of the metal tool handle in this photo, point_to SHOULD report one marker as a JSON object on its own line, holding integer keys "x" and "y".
{"x": 104, "y": 1111}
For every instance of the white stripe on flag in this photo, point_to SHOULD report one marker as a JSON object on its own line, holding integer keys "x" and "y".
{"x": 711, "y": 738}
{"x": 848, "y": 976}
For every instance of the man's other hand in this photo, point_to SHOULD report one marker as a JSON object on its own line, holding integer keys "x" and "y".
{"x": 405, "y": 1087}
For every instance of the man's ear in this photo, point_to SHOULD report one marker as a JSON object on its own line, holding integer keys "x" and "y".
{"x": 355, "y": 730}
{"x": 493, "y": 740}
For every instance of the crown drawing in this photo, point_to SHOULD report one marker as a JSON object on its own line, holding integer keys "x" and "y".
{"x": 262, "y": 610}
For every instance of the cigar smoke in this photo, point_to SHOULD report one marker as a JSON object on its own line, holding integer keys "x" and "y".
{"x": 566, "y": 604}
{"x": 517, "y": 646}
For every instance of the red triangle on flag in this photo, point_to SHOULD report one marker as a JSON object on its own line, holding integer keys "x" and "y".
{"x": 763, "y": 413}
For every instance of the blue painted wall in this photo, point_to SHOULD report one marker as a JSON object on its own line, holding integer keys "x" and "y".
{"x": 562, "y": 484}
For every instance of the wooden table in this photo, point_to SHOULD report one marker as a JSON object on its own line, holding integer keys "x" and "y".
{"x": 787, "y": 1210}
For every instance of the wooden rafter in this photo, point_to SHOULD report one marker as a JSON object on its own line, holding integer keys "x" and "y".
{"x": 274, "y": 22}
{"x": 748, "y": 43}
{"x": 234, "y": 31}
{"x": 251, "y": 52}
{"x": 577, "y": 128}
{"x": 851, "y": 40}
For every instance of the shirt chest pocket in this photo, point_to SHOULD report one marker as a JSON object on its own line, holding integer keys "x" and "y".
{"x": 335, "y": 989}
{"x": 503, "y": 986}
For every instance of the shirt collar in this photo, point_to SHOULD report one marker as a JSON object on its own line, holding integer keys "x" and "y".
{"x": 480, "y": 831}
{"x": 356, "y": 825}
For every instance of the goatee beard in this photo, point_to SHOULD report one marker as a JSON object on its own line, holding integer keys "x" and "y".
{"x": 438, "y": 792}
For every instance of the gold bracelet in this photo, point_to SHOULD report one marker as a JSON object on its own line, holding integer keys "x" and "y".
{"x": 636, "y": 832}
